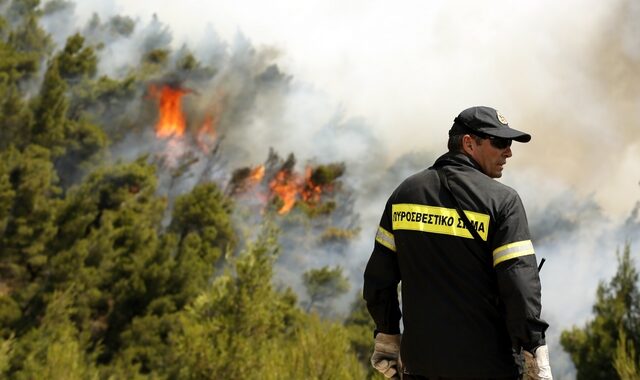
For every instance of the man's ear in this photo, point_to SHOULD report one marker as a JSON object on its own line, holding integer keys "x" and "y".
{"x": 468, "y": 144}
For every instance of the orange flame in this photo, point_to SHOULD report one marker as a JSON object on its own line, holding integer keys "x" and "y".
{"x": 311, "y": 192}
{"x": 207, "y": 133}
{"x": 171, "y": 121}
{"x": 285, "y": 186}
{"x": 256, "y": 175}
{"x": 290, "y": 187}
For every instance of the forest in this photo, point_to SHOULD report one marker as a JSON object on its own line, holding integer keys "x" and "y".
{"x": 132, "y": 246}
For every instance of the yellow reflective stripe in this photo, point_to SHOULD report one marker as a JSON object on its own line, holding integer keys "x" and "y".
{"x": 385, "y": 238}
{"x": 512, "y": 250}
{"x": 439, "y": 220}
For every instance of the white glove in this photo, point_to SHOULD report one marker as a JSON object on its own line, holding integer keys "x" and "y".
{"x": 386, "y": 355}
{"x": 536, "y": 365}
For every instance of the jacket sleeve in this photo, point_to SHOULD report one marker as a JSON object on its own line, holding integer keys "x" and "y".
{"x": 381, "y": 278}
{"x": 517, "y": 275}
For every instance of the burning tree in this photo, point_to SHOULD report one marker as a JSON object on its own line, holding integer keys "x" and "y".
{"x": 313, "y": 209}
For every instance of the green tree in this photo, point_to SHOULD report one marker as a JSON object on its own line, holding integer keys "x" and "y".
{"x": 55, "y": 349}
{"x": 625, "y": 360}
{"x": 229, "y": 330}
{"x": 16, "y": 65}
{"x": 32, "y": 196}
{"x": 75, "y": 144}
{"x": 201, "y": 221}
{"x": 107, "y": 248}
{"x": 197, "y": 239}
{"x": 27, "y": 36}
{"x": 104, "y": 99}
{"x": 593, "y": 347}
{"x": 243, "y": 328}
{"x": 76, "y": 61}
{"x": 7, "y": 191}
{"x": 85, "y": 148}
{"x": 50, "y": 112}
{"x": 6, "y": 346}
{"x": 54, "y": 6}
{"x": 122, "y": 25}
{"x": 15, "y": 116}
{"x": 360, "y": 327}
{"x": 19, "y": 9}
{"x": 323, "y": 286}
{"x": 319, "y": 350}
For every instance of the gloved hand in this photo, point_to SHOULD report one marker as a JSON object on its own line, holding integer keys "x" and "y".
{"x": 536, "y": 365}
{"x": 386, "y": 355}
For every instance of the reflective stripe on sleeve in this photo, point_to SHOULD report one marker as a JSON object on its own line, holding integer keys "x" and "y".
{"x": 512, "y": 250}
{"x": 385, "y": 238}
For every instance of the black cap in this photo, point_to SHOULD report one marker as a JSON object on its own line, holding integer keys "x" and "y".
{"x": 482, "y": 120}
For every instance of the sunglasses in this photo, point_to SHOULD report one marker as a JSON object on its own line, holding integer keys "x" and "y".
{"x": 497, "y": 142}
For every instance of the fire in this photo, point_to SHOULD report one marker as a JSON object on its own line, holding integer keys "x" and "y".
{"x": 285, "y": 186}
{"x": 311, "y": 192}
{"x": 207, "y": 135}
{"x": 171, "y": 121}
{"x": 290, "y": 187}
{"x": 256, "y": 175}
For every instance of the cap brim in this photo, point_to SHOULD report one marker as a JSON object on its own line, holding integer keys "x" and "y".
{"x": 507, "y": 133}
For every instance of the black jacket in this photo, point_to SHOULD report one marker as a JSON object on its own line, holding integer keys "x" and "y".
{"x": 465, "y": 304}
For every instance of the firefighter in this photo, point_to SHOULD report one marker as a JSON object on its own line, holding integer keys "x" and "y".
{"x": 470, "y": 287}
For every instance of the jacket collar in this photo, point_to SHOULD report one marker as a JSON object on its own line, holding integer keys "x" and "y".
{"x": 456, "y": 159}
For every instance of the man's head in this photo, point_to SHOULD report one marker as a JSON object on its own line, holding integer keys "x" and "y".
{"x": 483, "y": 134}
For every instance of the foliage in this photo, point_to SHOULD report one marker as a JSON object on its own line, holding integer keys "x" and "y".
{"x": 593, "y": 347}
{"x": 360, "y": 328}
{"x": 54, "y": 350}
{"x": 76, "y": 60}
{"x": 15, "y": 115}
{"x": 242, "y": 328}
{"x": 625, "y": 361}
{"x": 6, "y": 346}
{"x": 335, "y": 234}
{"x": 30, "y": 204}
{"x": 50, "y": 111}
{"x": 204, "y": 234}
{"x": 324, "y": 285}
{"x": 327, "y": 174}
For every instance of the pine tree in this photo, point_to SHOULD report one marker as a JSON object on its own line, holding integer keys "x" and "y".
{"x": 54, "y": 350}
{"x": 243, "y": 328}
{"x": 191, "y": 251}
{"x": 15, "y": 117}
{"x": 6, "y": 346}
{"x": 27, "y": 37}
{"x": 593, "y": 347}
{"x": 201, "y": 222}
{"x": 228, "y": 331}
{"x": 625, "y": 360}
{"x": 107, "y": 248}
{"x": 32, "y": 197}
{"x": 323, "y": 286}
{"x": 77, "y": 61}
{"x": 360, "y": 327}
{"x": 50, "y": 112}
